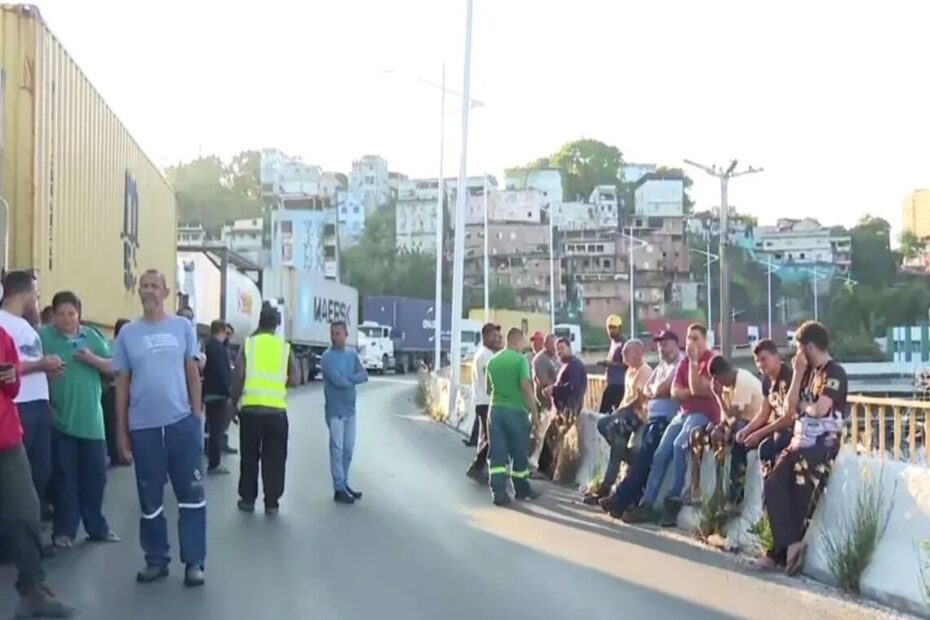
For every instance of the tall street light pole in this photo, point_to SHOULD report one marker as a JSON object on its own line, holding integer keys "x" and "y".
{"x": 770, "y": 269}
{"x": 709, "y": 259}
{"x": 631, "y": 238}
{"x": 458, "y": 253}
{"x": 440, "y": 208}
{"x": 487, "y": 279}
{"x": 724, "y": 176}
{"x": 552, "y": 283}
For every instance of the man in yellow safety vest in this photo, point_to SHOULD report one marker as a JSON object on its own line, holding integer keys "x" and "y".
{"x": 264, "y": 370}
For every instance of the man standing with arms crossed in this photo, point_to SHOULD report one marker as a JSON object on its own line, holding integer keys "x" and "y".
{"x": 160, "y": 424}
{"x": 512, "y": 399}
{"x": 490, "y": 334}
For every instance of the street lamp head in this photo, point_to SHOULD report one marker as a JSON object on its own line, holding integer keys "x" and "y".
{"x": 731, "y": 168}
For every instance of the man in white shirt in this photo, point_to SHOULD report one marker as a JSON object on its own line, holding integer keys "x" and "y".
{"x": 19, "y": 313}
{"x": 739, "y": 393}
{"x": 490, "y": 344}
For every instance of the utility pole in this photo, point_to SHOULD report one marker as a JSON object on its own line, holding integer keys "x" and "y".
{"x": 724, "y": 176}
{"x": 487, "y": 279}
{"x": 440, "y": 208}
{"x": 458, "y": 253}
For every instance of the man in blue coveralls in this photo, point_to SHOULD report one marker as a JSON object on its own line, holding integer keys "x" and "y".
{"x": 160, "y": 424}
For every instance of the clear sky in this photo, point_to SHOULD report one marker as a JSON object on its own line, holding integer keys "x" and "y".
{"x": 831, "y": 97}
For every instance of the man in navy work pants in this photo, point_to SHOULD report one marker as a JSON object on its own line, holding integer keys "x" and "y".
{"x": 160, "y": 424}
{"x": 342, "y": 371}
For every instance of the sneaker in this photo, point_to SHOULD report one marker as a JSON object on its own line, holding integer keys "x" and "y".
{"x": 592, "y": 498}
{"x": 245, "y": 506}
{"x": 109, "y": 537}
{"x": 151, "y": 574}
{"x": 60, "y": 542}
{"x": 194, "y": 576}
{"x": 502, "y": 500}
{"x": 670, "y": 513}
{"x": 220, "y": 470}
{"x": 343, "y": 497}
{"x": 41, "y": 603}
{"x": 479, "y": 475}
{"x": 355, "y": 494}
{"x": 272, "y": 510}
{"x": 640, "y": 514}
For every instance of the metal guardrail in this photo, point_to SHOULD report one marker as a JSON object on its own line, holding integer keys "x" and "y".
{"x": 888, "y": 428}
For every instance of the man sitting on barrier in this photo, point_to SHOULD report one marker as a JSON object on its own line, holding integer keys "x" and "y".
{"x": 770, "y": 430}
{"x": 661, "y": 407}
{"x": 567, "y": 396}
{"x": 618, "y": 426}
{"x": 792, "y": 489}
{"x": 692, "y": 386}
{"x": 739, "y": 395}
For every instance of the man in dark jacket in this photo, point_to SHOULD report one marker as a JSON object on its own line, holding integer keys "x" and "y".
{"x": 567, "y": 395}
{"x": 217, "y": 386}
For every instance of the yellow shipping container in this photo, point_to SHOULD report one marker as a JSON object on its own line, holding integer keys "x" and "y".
{"x": 527, "y": 321}
{"x": 87, "y": 209}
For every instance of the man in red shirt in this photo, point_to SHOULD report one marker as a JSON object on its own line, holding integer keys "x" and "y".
{"x": 19, "y": 505}
{"x": 692, "y": 386}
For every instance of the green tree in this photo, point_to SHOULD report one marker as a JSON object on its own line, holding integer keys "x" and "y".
{"x": 911, "y": 245}
{"x": 587, "y": 164}
{"x": 873, "y": 262}
{"x": 212, "y": 193}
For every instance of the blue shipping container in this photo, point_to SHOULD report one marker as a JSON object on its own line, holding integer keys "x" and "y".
{"x": 412, "y": 321}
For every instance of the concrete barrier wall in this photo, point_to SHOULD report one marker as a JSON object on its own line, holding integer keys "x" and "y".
{"x": 893, "y": 577}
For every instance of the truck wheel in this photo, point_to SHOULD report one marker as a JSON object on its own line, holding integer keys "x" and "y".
{"x": 384, "y": 365}
{"x": 399, "y": 367}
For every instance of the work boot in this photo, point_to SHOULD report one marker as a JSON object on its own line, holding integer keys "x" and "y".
{"x": 151, "y": 574}
{"x": 245, "y": 506}
{"x": 501, "y": 500}
{"x": 670, "y": 513}
{"x": 41, "y": 603}
{"x": 356, "y": 495}
{"x": 478, "y": 474}
{"x": 640, "y": 514}
{"x": 528, "y": 494}
{"x": 343, "y": 497}
{"x": 194, "y": 576}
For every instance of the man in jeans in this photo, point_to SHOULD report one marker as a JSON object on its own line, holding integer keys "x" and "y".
{"x": 660, "y": 407}
{"x": 619, "y": 426}
{"x": 490, "y": 343}
{"x": 19, "y": 504}
{"x": 616, "y": 369}
{"x": 692, "y": 386}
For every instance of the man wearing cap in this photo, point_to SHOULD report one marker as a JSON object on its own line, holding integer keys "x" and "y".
{"x": 616, "y": 369}
{"x": 660, "y": 408}
{"x": 490, "y": 343}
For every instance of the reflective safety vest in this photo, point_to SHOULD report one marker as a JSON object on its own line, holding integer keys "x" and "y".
{"x": 266, "y": 359}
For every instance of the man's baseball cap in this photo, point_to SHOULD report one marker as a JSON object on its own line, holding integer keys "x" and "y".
{"x": 538, "y": 335}
{"x": 489, "y": 328}
{"x": 666, "y": 334}
{"x": 614, "y": 321}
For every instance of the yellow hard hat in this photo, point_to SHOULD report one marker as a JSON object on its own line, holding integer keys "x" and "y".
{"x": 614, "y": 321}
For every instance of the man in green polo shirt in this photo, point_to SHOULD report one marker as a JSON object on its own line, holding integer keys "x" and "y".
{"x": 79, "y": 444}
{"x": 512, "y": 399}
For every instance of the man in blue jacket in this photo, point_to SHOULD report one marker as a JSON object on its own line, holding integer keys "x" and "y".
{"x": 342, "y": 371}
{"x": 217, "y": 388}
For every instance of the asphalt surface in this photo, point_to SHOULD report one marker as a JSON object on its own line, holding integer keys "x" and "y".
{"x": 424, "y": 543}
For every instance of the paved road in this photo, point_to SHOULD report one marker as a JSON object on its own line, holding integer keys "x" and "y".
{"x": 423, "y": 544}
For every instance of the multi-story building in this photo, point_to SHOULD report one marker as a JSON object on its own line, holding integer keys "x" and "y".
{"x": 605, "y": 202}
{"x": 548, "y": 181}
{"x": 245, "y": 238}
{"x": 917, "y": 213}
{"x": 659, "y": 195}
{"x": 799, "y": 244}
{"x": 415, "y": 217}
{"x": 332, "y": 184}
{"x": 286, "y": 176}
{"x": 706, "y": 224}
{"x": 518, "y": 259}
{"x": 191, "y": 234}
{"x": 574, "y": 216}
{"x": 351, "y": 219}
{"x": 631, "y": 173}
{"x": 370, "y": 178}
{"x": 305, "y": 240}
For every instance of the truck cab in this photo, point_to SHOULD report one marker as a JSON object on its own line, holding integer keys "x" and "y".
{"x": 375, "y": 346}
{"x": 570, "y": 332}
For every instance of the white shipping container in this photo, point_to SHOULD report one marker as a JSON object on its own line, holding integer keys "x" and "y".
{"x": 311, "y": 303}
{"x": 199, "y": 279}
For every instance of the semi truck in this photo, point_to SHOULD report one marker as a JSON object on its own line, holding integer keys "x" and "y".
{"x": 398, "y": 333}
{"x": 309, "y": 304}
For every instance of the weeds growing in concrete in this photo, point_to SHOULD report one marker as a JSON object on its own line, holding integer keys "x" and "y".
{"x": 850, "y": 545}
